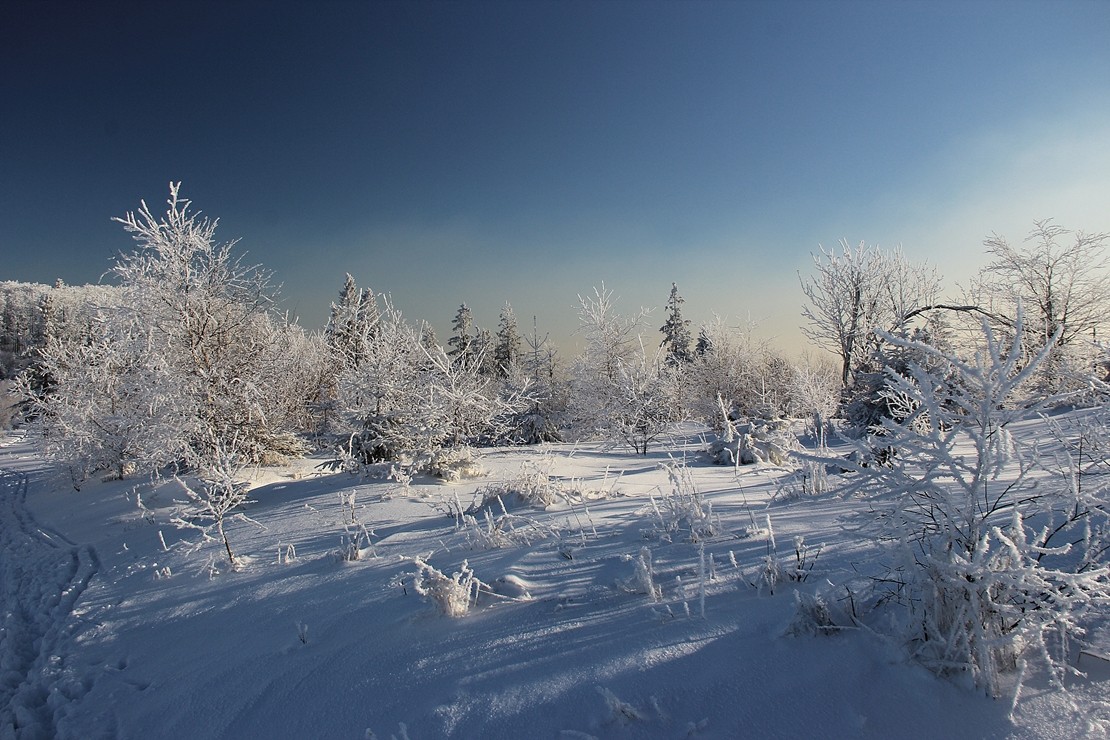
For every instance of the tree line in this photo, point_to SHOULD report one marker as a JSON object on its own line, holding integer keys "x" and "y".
{"x": 185, "y": 360}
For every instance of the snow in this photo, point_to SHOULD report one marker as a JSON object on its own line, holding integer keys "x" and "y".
{"x": 109, "y": 634}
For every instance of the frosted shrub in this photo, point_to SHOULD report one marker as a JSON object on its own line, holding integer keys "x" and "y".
{"x": 535, "y": 486}
{"x": 208, "y": 506}
{"x": 453, "y": 595}
{"x": 757, "y": 441}
{"x": 452, "y": 464}
{"x": 993, "y": 566}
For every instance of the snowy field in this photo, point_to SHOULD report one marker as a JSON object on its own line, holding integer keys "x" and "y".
{"x": 115, "y": 625}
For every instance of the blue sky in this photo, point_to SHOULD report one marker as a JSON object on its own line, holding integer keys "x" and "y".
{"x": 526, "y": 151}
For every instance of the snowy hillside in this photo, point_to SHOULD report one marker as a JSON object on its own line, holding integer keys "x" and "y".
{"x": 637, "y": 604}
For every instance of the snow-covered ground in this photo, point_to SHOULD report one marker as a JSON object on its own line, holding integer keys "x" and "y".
{"x": 114, "y": 626}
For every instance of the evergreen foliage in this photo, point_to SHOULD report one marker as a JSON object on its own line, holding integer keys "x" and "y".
{"x": 461, "y": 344}
{"x": 676, "y": 331}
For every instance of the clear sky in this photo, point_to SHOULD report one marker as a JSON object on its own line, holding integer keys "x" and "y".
{"x": 526, "y": 151}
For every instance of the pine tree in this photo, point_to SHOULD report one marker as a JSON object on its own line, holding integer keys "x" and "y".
{"x": 506, "y": 351}
{"x": 540, "y": 358}
{"x": 676, "y": 331}
{"x": 461, "y": 342}
{"x": 704, "y": 345}
{"x": 368, "y": 313}
{"x": 428, "y": 338}
{"x": 352, "y": 323}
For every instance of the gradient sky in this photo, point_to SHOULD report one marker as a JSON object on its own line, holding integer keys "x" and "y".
{"x": 526, "y": 151}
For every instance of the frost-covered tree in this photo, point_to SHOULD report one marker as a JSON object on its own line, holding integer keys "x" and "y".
{"x": 995, "y": 563}
{"x": 506, "y": 351}
{"x": 610, "y": 337}
{"x": 738, "y": 367}
{"x": 612, "y": 342}
{"x": 352, "y": 322}
{"x": 549, "y": 389}
{"x": 814, "y": 390}
{"x": 109, "y": 404}
{"x": 382, "y": 396}
{"x": 211, "y": 324}
{"x": 704, "y": 343}
{"x": 73, "y": 312}
{"x": 461, "y": 343}
{"x": 676, "y": 331}
{"x": 463, "y": 406}
{"x": 1063, "y": 287}
{"x": 410, "y": 399}
{"x": 1062, "y": 281}
{"x": 428, "y": 338}
{"x": 642, "y": 401}
{"x": 855, "y": 292}
{"x": 215, "y": 499}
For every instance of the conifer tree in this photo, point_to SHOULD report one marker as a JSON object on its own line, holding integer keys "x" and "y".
{"x": 506, "y": 351}
{"x": 428, "y": 338}
{"x": 676, "y": 331}
{"x": 461, "y": 343}
{"x": 368, "y": 312}
{"x": 704, "y": 345}
{"x": 352, "y": 323}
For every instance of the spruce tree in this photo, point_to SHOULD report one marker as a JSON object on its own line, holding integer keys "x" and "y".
{"x": 506, "y": 351}
{"x": 461, "y": 342}
{"x": 351, "y": 323}
{"x": 676, "y": 331}
{"x": 368, "y": 313}
{"x": 428, "y": 338}
{"x": 704, "y": 345}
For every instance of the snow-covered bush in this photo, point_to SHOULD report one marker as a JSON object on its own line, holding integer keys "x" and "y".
{"x": 814, "y": 394}
{"x": 533, "y": 486}
{"x": 774, "y": 569}
{"x": 993, "y": 567}
{"x": 453, "y": 595}
{"x": 488, "y": 524}
{"x": 810, "y": 478}
{"x": 756, "y": 441}
{"x": 354, "y": 542}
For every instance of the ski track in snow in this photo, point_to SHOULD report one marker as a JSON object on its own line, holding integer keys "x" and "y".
{"x": 42, "y": 575}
